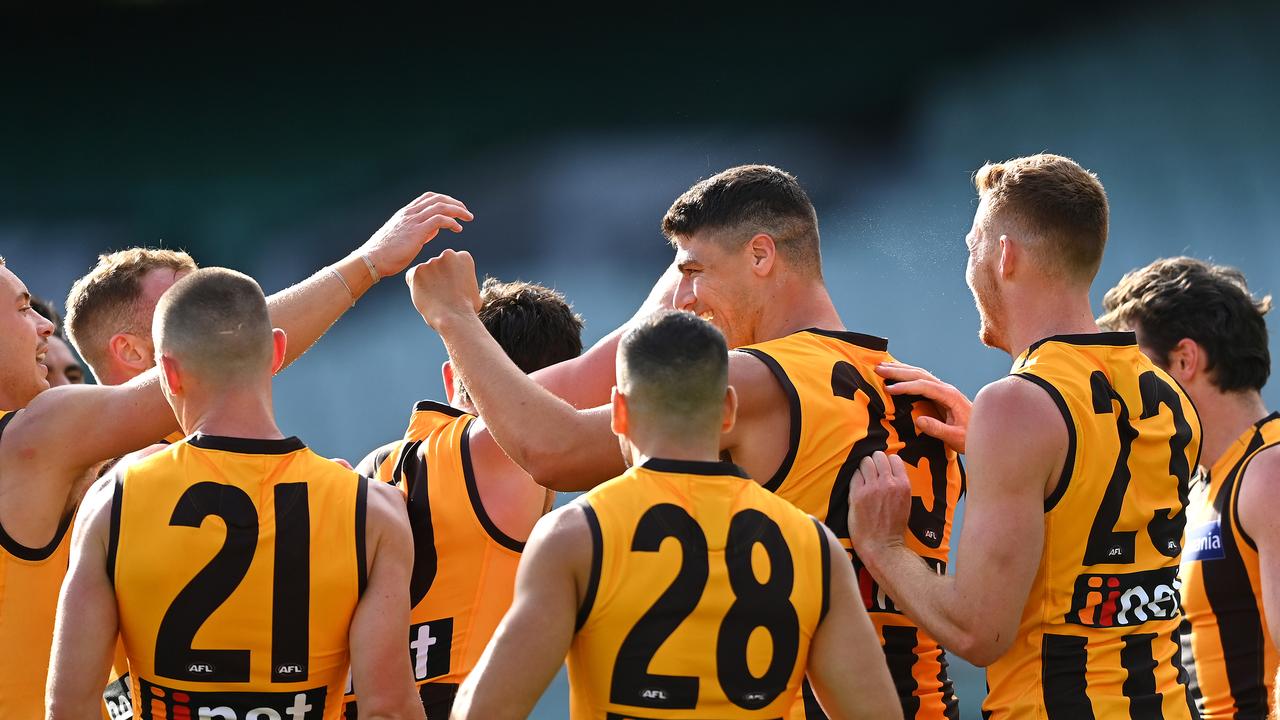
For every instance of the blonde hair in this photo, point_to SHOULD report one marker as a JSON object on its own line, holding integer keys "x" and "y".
{"x": 106, "y": 301}
{"x": 1056, "y": 202}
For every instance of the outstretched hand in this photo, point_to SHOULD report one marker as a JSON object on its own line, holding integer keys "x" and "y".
{"x": 399, "y": 241}
{"x": 953, "y": 426}
{"x": 445, "y": 288}
{"x": 879, "y": 503}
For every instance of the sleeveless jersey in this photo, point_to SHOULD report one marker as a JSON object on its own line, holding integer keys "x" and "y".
{"x": 704, "y": 594}
{"x": 30, "y": 579}
{"x": 1099, "y": 632}
{"x": 1225, "y": 643}
{"x": 464, "y": 567}
{"x": 237, "y": 565}
{"x": 840, "y": 414}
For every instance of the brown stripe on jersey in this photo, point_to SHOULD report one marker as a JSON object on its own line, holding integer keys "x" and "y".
{"x": 362, "y": 507}
{"x": 950, "y": 702}
{"x": 1180, "y": 663}
{"x": 900, "y": 651}
{"x": 1140, "y": 681}
{"x": 1068, "y": 464}
{"x": 113, "y": 531}
{"x": 597, "y": 563}
{"x": 1186, "y": 664}
{"x": 793, "y": 402}
{"x": 412, "y": 470}
{"x": 473, "y": 492}
{"x": 824, "y": 549}
{"x": 1063, "y": 660}
{"x": 291, "y": 583}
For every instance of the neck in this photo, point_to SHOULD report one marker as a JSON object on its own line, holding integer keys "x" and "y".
{"x": 697, "y": 449}
{"x": 242, "y": 413}
{"x": 1225, "y": 416}
{"x": 1041, "y": 313}
{"x": 797, "y": 305}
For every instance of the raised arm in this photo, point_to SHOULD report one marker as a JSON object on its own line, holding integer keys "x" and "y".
{"x": 561, "y": 447}
{"x": 85, "y": 636}
{"x": 380, "y": 668}
{"x": 1017, "y": 440}
{"x": 530, "y": 645}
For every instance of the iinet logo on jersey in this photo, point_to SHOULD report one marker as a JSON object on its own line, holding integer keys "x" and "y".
{"x": 1125, "y": 600}
{"x": 161, "y": 703}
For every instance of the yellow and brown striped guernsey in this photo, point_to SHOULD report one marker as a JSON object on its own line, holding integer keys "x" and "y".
{"x": 237, "y": 565}
{"x": 675, "y": 615}
{"x": 841, "y": 413}
{"x": 1098, "y": 636}
{"x": 29, "y": 582}
{"x": 464, "y": 567}
{"x": 1228, "y": 648}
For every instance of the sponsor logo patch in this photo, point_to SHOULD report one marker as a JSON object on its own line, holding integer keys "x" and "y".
{"x": 1125, "y": 599}
{"x": 161, "y": 703}
{"x": 1204, "y": 542}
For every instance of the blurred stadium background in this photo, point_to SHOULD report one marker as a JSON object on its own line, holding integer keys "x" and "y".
{"x": 273, "y": 140}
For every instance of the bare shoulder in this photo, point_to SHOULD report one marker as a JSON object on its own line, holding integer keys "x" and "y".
{"x": 754, "y": 381}
{"x": 562, "y": 532}
{"x": 1260, "y": 486}
{"x": 385, "y": 504}
{"x": 94, "y": 514}
{"x": 1013, "y": 404}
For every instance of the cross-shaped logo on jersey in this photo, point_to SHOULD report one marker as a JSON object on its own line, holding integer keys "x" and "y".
{"x": 430, "y": 645}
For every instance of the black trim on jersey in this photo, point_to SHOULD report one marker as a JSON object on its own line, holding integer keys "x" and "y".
{"x": 1138, "y": 661}
{"x": 368, "y": 466}
{"x": 950, "y": 703}
{"x": 411, "y": 472}
{"x": 1063, "y": 660}
{"x": 1248, "y": 458}
{"x": 246, "y": 446}
{"x": 8, "y": 418}
{"x": 113, "y": 530}
{"x": 900, "y": 644}
{"x": 22, "y": 552}
{"x": 597, "y": 562}
{"x": 1113, "y": 339}
{"x": 793, "y": 400}
{"x": 1068, "y": 465}
{"x": 362, "y": 510}
{"x": 824, "y": 547}
{"x": 871, "y": 342}
{"x": 433, "y": 406}
{"x": 1186, "y": 677}
{"x": 717, "y": 468}
{"x": 473, "y": 492}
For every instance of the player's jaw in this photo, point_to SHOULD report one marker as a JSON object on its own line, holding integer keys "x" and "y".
{"x": 25, "y": 345}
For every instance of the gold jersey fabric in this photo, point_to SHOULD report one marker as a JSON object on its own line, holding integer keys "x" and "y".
{"x": 705, "y": 591}
{"x": 237, "y": 565}
{"x": 1225, "y": 643}
{"x": 840, "y": 414}
{"x": 464, "y": 568}
{"x": 1098, "y": 636}
{"x": 30, "y": 579}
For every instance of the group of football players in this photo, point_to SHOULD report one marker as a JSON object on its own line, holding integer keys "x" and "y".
{"x": 770, "y": 495}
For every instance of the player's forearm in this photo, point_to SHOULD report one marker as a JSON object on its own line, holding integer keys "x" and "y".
{"x": 587, "y": 380}
{"x": 307, "y": 310}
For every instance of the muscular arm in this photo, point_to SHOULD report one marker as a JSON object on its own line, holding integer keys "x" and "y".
{"x": 1017, "y": 443}
{"x": 379, "y": 664}
{"x": 1256, "y": 503}
{"x": 85, "y": 636}
{"x": 846, "y": 665}
{"x": 531, "y": 643}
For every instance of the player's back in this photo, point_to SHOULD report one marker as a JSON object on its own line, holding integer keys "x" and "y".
{"x": 1098, "y": 635}
{"x": 840, "y": 414}
{"x": 29, "y": 582}
{"x": 464, "y": 566}
{"x": 694, "y": 566}
{"x": 237, "y": 565}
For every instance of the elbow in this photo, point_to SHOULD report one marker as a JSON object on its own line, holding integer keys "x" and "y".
{"x": 982, "y": 650}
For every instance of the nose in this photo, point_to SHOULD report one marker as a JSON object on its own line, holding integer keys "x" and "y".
{"x": 685, "y": 297}
{"x": 45, "y": 328}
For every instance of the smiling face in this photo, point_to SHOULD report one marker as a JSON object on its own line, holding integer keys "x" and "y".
{"x": 24, "y": 340}
{"x": 718, "y": 285}
{"x": 984, "y": 257}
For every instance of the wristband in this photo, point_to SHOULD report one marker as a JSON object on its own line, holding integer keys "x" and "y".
{"x": 373, "y": 271}
{"x": 343, "y": 280}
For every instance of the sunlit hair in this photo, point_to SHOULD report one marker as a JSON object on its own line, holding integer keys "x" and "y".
{"x": 1182, "y": 297}
{"x": 1058, "y": 205}
{"x": 215, "y": 323}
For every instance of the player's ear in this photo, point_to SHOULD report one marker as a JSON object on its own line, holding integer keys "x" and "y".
{"x": 730, "y": 410}
{"x": 618, "y": 416}
{"x": 171, "y": 372}
{"x": 1186, "y": 360}
{"x": 446, "y": 373}
{"x": 1008, "y": 256}
{"x": 763, "y": 253}
{"x": 279, "y": 343}
{"x": 131, "y": 351}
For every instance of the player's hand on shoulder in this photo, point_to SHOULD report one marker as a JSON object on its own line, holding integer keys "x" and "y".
{"x": 399, "y": 240}
{"x": 445, "y": 287}
{"x": 952, "y": 425}
{"x": 879, "y": 503}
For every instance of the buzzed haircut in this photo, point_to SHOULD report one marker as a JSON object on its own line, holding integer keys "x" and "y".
{"x": 1055, "y": 201}
{"x": 675, "y": 369}
{"x": 533, "y": 324}
{"x": 746, "y": 200}
{"x": 107, "y": 300}
{"x": 215, "y": 323}
{"x": 1182, "y": 297}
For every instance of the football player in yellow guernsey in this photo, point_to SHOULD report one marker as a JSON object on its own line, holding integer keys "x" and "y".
{"x": 681, "y": 589}
{"x": 49, "y": 451}
{"x": 243, "y": 571}
{"x": 812, "y": 403}
{"x": 1199, "y": 322}
{"x": 471, "y": 509}
{"x": 1066, "y": 582}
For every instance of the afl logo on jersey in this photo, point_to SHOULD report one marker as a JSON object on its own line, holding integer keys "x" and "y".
{"x": 1204, "y": 542}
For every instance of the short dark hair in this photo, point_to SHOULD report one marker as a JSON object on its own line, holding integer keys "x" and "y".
{"x": 1182, "y": 297}
{"x": 1060, "y": 202}
{"x": 215, "y": 321}
{"x": 533, "y": 324}
{"x": 675, "y": 366}
{"x": 753, "y": 199}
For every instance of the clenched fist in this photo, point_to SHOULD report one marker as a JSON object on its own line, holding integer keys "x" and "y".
{"x": 444, "y": 287}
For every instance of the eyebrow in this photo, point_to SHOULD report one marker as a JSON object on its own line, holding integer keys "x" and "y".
{"x": 24, "y": 296}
